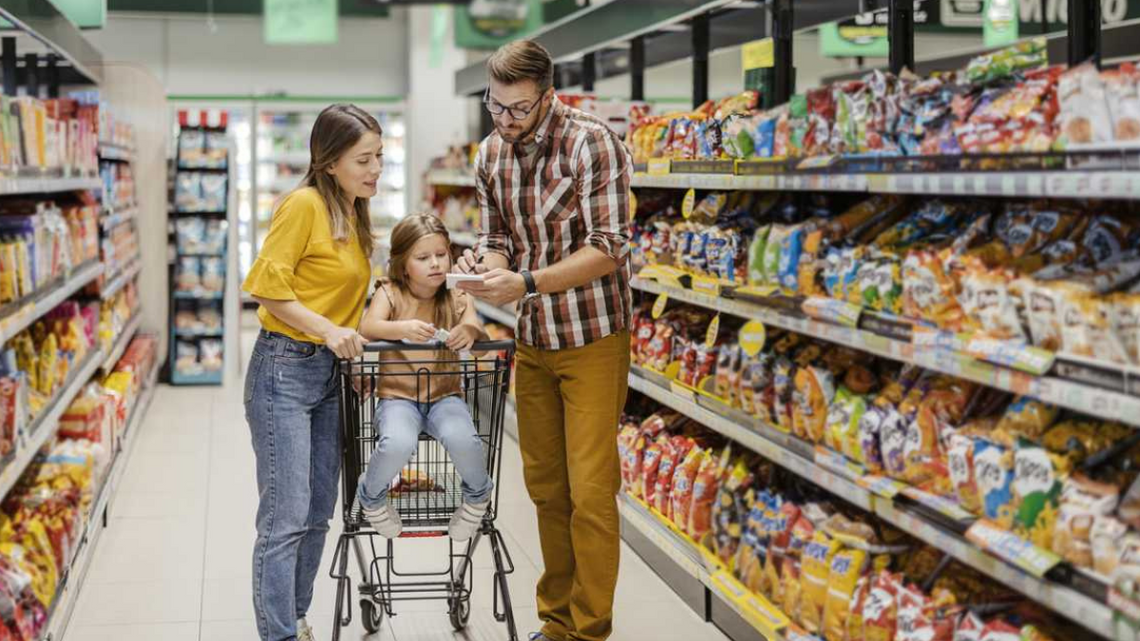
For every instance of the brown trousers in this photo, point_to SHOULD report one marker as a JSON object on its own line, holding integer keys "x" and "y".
{"x": 569, "y": 405}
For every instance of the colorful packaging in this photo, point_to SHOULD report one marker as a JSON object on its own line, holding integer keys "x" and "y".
{"x": 815, "y": 570}
{"x": 1036, "y": 491}
{"x": 847, "y": 567}
{"x": 993, "y": 474}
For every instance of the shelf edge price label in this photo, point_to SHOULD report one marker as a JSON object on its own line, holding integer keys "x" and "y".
{"x": 706, "y": 285}
{"x": 688, "y": 203}
{"x": 752, "y": 337}
{"x": 713, "y": 331}
{"x": 1012, "y": 548}
{"x": 658, "y": 167}
{"x": 883, "y": 486}
{"x": 659, "y": 305}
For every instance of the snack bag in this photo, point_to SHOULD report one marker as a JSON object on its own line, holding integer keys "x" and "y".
{"x": 814, "y": 391}
{"x": 650, "y": 461}
{"x": 1083, "y": 501}
{"x": 815, "y": 569}
{"x": 1108, "y": 537}
{"x": 1123, "y": 102}
{"x": 993, "y": 474}
{"x": 843, "y": 423}
{"x": 790, "y": 572}
{"x": 705, "y": 487}
{"x": 847, "y": 567}
{"x": 880, "y": 608}
{"x": 854, "y": 627}
{"x": 782, "y": 531}
{"x": 679, "y": 447}
{"x": 681, "y": 494}
{"x": 730, "y": 513}
{"x": 1036, "y": 491}
{"x": 969, "y": 628}
{"x": 1084, "y": 117}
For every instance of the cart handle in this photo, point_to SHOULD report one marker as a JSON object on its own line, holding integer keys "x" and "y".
{"x": 435, "y": 346}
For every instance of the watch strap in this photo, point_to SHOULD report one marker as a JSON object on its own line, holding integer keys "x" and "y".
{"x": 528, "y": 278}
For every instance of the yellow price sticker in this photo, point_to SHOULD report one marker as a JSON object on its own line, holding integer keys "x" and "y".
{"x": 713, "y": 331}
{"x": 688, "y": 203}
{"x": 658, "y": 167}
{"x": 659, "y": 306}
{"x": 758, "y": 54}
{"x": 632, "y": 205}
{"x": 752, "y": 337}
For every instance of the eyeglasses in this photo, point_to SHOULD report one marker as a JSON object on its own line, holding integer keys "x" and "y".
{"x": 496, "y": 109}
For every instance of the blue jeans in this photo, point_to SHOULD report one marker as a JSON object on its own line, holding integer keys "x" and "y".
{"x": 292, "y": 405}
{"x": 447, "y": 421}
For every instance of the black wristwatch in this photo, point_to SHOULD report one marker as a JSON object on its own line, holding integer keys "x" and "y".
{"x": 531, "y": 288}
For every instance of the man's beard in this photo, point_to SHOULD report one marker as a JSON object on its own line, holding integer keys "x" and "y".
{"x": 514, "y": 139}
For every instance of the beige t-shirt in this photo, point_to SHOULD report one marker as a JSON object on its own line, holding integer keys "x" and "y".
{"x": 400, "y": 377}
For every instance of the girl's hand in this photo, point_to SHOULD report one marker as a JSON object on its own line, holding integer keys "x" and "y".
{"x": 463, "y": 337}
{"x": 417, "y": 331}
{"x": 344, "y": 342}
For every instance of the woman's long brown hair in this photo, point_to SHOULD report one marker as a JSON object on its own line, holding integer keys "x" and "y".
{"x": 405, "y": 235}
{"x": 337, "y": 129}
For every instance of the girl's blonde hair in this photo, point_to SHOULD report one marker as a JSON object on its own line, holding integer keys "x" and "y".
{"x": 405, "y": 235}
{"x": 337, "y": 129}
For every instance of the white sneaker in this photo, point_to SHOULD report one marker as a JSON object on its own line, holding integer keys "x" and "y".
{"x": 304, "y": 632}
{"x": 385, "y": 520}
{"x": 466, "y": 520}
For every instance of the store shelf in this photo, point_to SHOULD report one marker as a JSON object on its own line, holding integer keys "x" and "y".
{"x": 110, "y": 151}
{"x": 763, "y": 439}
{"x": 497, "y": 314}
{"x": 762, "y": 616}
{"x": 15, "y": 186}
{"x": 72, "y": 582}
{"x": 1070, "y": 183}
{"x": 464, "y": 238}
{"x": 41, "y": 429}
{"x": 46, "y": 301}
{"x": 126, "y": 275}
{"x": 1094, "y": 401}
{"x": 199, "y": 333}
{"x": 198, "y": 295}
{"x": 118, "y": 218}
{"x": 122, "y": 341}
{"x": 206, "y": 378}
{"x": 450, "y": 178}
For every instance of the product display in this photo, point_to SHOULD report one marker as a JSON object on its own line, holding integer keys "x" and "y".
{"x": 41, "y": 242}
{"x": 57, "y": 134}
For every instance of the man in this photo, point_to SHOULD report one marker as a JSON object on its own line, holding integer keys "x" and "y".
{"x": 553, "y": 191}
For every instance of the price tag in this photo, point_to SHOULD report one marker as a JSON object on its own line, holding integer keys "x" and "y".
{"x": 711, "y": 334}
{"x": 659, "y": 306}
{"x": 752, "y": 337}
{"x": 688, "y": 203}
{"x": 832, "y": 310}
{"x": 1012, "y": 548}
{"x": 649, "y": 272}
{"x": 1008, "y": 185}
{"x": 684, "y": 392}
{"x": 959, "y": 184}
{"x": 658, "y": 167}
{"x": 980, "y": 184}
{"x": 755, "y": 608}
{"x": 632, "y": 205}
{"x": 706, "y": 285}
{"x": 942, "y": 505}
{"x": 881, "y": 485}
{"x": 836, "y": 463}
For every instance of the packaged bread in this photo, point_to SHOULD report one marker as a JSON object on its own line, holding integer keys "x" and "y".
{"x": 1082, "y": 502}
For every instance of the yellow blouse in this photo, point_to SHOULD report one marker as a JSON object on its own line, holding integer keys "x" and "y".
{"x": 300, "y": 261}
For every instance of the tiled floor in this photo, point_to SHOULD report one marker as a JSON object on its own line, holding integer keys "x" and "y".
{"x": 174, "y": 564}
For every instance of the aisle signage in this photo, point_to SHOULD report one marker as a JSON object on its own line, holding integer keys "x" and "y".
{"x": 488, "y": 24}
{"x": 688, "y": 203}
{"x": 300, "y": 22}
{"x": 713, "y": 331}
{"x": 758, "y": 54}
{"x": 659, "y": 306}
{"x": 658, "y": 167}
{"x": 752, "y": 337}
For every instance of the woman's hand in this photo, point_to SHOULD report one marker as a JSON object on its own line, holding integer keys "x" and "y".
{"x": 344, "y": 342}
{"x": 463, "y": 337}
{"x": 417, "y": 331}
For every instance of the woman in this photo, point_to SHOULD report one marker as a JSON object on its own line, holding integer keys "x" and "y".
{"x": 311, "y": 279}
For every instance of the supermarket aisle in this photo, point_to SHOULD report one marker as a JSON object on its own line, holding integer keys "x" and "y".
{"x": 174, "y": 563}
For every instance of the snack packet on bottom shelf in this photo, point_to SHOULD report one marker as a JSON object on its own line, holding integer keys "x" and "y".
{"x": 671, "y": 458}
{"x": 681, "y": 495}
{"x": 853, "y": 629}
{"x": 880, "y": 608}
{"x": 730, "y": 513}
{"x": 780, "y": 548}
{"x": 847, "y": 567}
{"x": 815, "y": 567}
{"x": 1083, "y": 501}
{"x": 650, "y": 461}
{"x": 789, "y": 593}
{"x": 705, "y": 487}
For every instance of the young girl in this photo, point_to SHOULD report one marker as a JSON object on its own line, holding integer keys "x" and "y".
{"x": 410, "y": 305}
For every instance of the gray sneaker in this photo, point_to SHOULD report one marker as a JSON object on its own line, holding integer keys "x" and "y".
{"x": 385, "y": 520}
{"x": 304, "y": 632}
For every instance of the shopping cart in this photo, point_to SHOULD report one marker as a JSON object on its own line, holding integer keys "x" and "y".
{"x": 428, "y": 492}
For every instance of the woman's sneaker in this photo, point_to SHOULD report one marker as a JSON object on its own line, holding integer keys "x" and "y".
{"x": 385, "y": 520}
{"x": 304, "y": 632}
{"x": 466, "y": 520}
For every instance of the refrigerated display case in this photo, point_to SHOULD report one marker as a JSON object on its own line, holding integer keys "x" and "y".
{"x": 282, "y": 157}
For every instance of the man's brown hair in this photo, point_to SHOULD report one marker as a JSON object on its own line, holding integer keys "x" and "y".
{"x": 522, "y": 60}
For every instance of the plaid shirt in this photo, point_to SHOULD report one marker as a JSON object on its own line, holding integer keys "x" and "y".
{"x": 567, "y": 190}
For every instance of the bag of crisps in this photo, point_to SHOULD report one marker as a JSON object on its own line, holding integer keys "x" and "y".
{"x": 815, "y": 569}
{"x": 847, "y": 567}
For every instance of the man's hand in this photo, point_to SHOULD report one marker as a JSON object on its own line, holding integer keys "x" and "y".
{"x": 463, "y": 337}
{"x": 499, "y": 287}
{"x": 469, "y": 264}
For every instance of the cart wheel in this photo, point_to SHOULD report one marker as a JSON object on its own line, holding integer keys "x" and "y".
{"x": 371, "y": 615}
{"x": 459, "y": 611}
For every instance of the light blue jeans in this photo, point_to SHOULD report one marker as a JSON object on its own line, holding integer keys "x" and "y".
{"x": 400, "y": 424}
{"x": 292, "y": 405}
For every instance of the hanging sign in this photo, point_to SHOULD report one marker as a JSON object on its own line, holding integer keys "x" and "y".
{"x": 300, "y": 22}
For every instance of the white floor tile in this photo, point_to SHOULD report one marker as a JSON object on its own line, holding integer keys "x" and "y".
{"x": 148, "y": 632}
{"x": 136, "y": 602}
{"x": 165, "y": 549}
